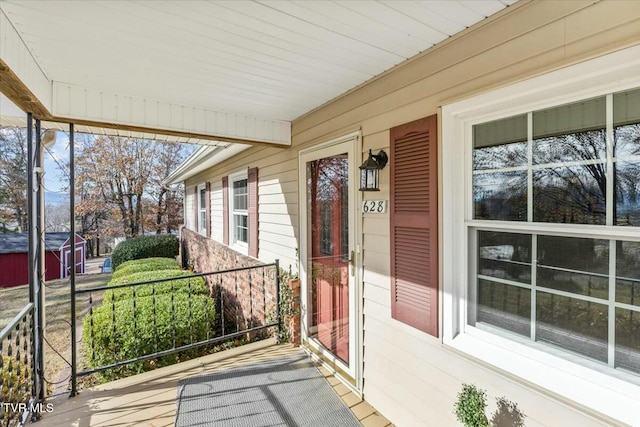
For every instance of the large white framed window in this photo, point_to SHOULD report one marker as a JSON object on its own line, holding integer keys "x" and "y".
{"x": 202, "y": 209}
{"x": 546, "y": 219}
{"x": 238, "y": 211}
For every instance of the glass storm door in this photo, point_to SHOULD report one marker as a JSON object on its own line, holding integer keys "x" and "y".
{"x": 329, "y": 250}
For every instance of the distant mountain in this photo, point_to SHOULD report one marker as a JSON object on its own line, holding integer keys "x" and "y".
{"x": 55, "y": 198}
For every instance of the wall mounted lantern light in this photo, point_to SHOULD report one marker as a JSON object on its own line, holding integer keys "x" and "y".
{"x": 370, "y": 171}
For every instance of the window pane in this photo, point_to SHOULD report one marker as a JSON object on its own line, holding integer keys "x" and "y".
{"x": 241, "y": 229}
{"x": 570, "y": 194}
{"x": 500, "y": 144}
{"x": 203, "y": 220}
{"x": 500, "y": 196}
{"x": 628, "y": 273}
{"x": 626, "y": 122}
{"x": 570, "y": 132}
{"x": 572, "y": 324}
{"x": 576, "y": 265}
{"x": 505, "y": 256}
{"x": 203, "y": 198}
{"x": 627, "y": 203}
{"x": 240, "y": 195}
{"x": 504, "y": 306}
{"x": 627, "y": 141}
{"x": 628, "y": 339}
{"x": 575, "y": 147}
{"x": 326, "y": 227}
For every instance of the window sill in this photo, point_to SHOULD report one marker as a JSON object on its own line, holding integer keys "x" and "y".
{"x": 240, "y": 248}
{"x": 589, "y": 388}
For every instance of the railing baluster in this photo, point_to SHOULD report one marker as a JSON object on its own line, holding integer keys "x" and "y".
{"x": 250, "y": 302}
{"x": 222, "y": 313}
{"x": 173, "y": 316}
{"x": 190, "y": 312}
{"x": 264, "y": 297}
{"x": 155, "y": 320}
{"x": 91, "y": 335}
{"x": 10, "y": 365}
{"x": 236, "y": 303}
{"x": 135, "y": 322}
{"x": 208, "y": 308}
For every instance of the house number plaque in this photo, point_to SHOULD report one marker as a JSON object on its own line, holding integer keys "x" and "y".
{"x": 374, "y": 206}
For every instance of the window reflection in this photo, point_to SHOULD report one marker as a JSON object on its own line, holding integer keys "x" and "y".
{"x": 500, "y": 196}
{"x": 628, "y": 273}
{"x": 628, "y": 339}
{"x": 570, "y": 194}
{"x": 505, "y": 256}
{"x": 504, "y": 306}
{"x": 576, "y": 265}
{"x": 574, "y": 147}
{"x": 500, "y": 156}
{"x": 575, "y": 325}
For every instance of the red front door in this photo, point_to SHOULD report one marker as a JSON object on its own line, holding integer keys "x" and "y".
{"x": 328, "y": 185}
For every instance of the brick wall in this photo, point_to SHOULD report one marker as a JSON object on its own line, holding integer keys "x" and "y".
{"x": 244, "y": 294}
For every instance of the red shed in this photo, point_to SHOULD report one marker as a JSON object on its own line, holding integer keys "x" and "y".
{"x": 14, "y": 259}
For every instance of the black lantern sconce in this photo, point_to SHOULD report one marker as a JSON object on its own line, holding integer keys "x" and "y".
{"x": 370, "y": 171}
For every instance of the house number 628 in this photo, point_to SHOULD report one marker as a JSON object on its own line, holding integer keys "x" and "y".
{"x": 374, "y": 206}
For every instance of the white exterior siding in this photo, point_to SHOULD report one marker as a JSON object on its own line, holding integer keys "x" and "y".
{"x": 277, "y": 201}
{"x": 216, "y": 210}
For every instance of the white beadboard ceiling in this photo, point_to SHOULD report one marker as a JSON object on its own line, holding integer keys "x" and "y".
{"x": 271, "y": 60}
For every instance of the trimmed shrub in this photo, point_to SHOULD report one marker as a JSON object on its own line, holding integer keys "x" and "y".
{"x": 193, "y": 285}
{"x": 185, "y": 319}
{"x": 145, "y": 264}
{"x": 19, "y": 392}
{"x": 157, "y": 245}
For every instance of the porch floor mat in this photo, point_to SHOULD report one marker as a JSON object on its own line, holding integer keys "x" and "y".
{"x": 289, "y": 391}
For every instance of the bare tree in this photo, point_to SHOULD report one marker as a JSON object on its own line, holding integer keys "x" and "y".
{"x": 13, "y": 179}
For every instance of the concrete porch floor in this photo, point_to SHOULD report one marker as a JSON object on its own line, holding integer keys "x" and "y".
{"x": 149, "y": 399}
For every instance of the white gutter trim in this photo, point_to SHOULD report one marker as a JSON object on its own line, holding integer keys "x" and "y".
{"x": 204, "y": 158}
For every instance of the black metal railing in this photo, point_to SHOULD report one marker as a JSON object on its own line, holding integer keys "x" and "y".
{"x": 17, "y": 366}
{"x": 146, "y": 322}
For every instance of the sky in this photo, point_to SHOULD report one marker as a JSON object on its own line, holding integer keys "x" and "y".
{"x": 55, "y": 180}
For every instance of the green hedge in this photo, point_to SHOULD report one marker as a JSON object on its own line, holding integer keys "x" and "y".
{"x": 191, "y": 317}
{"x": 145, "y": 264}
{"x": 194, "y": 285}
{"x": 158, "y": 245}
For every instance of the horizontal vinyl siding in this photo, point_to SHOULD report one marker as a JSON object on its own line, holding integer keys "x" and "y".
{"x": 216, "y": 210}
{"x": 188, "y": 208}
{"x": 409, "y": 376}
{"x": 277, "y": 200}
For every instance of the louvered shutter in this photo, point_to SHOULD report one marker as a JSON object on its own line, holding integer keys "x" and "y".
{"x": 208, "y": 207}
{"x": 225, "y": 210}
{"x": 196, "y": 211}
{"x": 414, "y": 224}
{"x": 252, "y": 211}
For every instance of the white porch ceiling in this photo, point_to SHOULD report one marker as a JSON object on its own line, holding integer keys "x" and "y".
{"x": 240, "y": 69}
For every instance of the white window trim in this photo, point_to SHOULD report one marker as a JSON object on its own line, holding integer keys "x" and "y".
{"x": 202, "y": 230}
{"x": 590, "y": 388}
{"x": 241, "y": 247}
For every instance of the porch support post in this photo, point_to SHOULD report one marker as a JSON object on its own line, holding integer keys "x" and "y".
{"x": 36, "y": 250}
{"x": 72, "y": 220}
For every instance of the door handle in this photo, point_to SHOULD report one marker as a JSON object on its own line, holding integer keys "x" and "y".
{"x": 352, "y": 262}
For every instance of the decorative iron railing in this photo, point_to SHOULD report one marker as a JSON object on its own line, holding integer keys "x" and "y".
{"x": 17, "y": 381}
{"x": 146, "y": 322}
